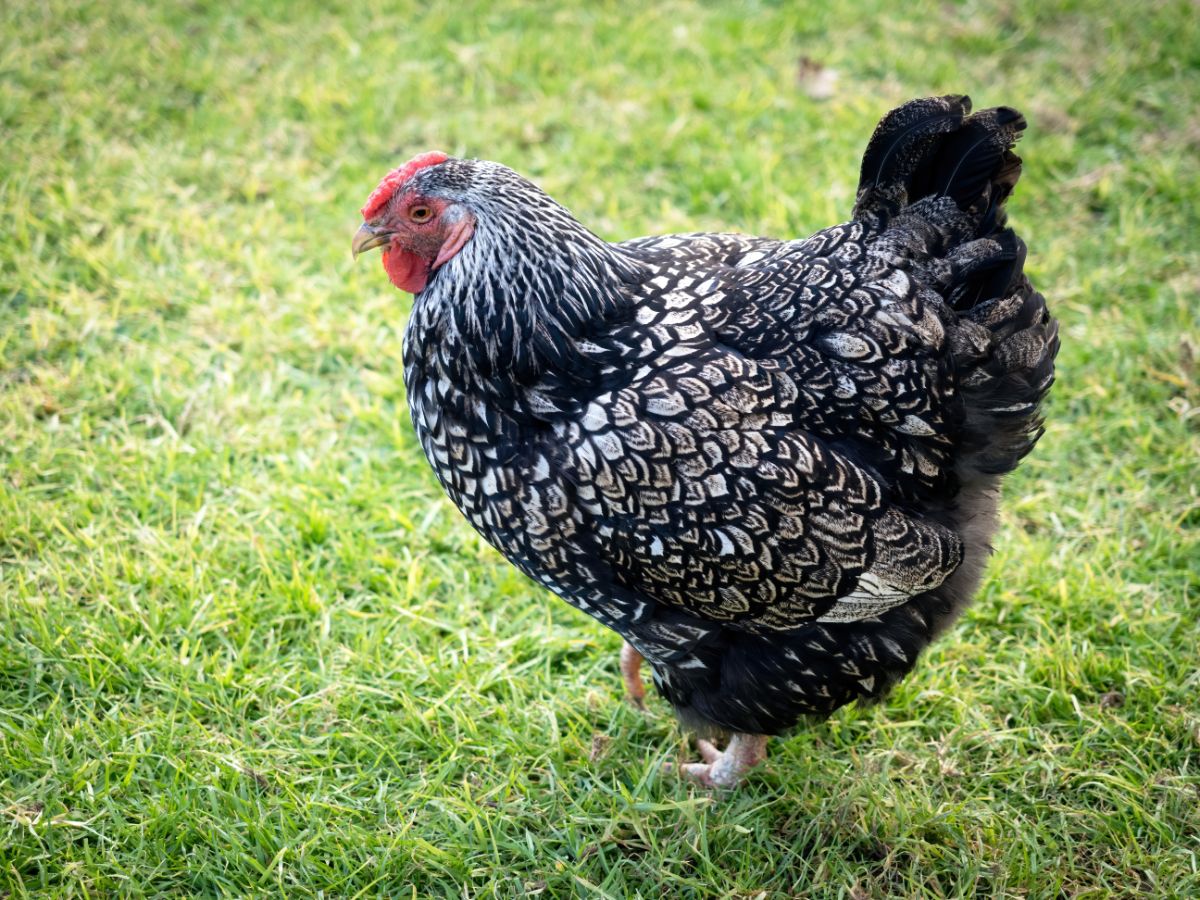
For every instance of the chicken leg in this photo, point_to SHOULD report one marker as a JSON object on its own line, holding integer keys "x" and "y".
{"x": 631, "y": 665}
{"x": 725, "y": 769}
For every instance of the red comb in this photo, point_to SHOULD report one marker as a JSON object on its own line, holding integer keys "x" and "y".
{"x": 397, "y": 177}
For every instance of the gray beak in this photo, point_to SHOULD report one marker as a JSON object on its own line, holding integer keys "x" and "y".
{"x": 368, "y": 237}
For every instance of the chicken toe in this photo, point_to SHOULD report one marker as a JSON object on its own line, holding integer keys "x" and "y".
{"x": 725, "y": 769}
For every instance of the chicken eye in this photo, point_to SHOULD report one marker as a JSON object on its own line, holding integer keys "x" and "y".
{"x": 420, "y": 213}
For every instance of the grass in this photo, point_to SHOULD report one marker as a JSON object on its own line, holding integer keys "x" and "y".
{"x": 247, "y": 648}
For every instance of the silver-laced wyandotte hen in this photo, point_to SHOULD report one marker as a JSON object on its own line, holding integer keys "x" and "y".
{"x": 771, "y": 466}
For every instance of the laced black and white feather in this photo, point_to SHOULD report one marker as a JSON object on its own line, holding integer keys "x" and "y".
{"x": 770, "y": 465}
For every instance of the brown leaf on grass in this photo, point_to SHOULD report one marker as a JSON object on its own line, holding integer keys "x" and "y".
{"x": 25, "y": 815}
{"x": 816, "y": 80}
{"x": 600, "y": 744}
{"x": 1091, "y": 178}
{"x": 1187, "y": 355}
{"x": 258, "y": 777}
{"x": 46, "y": 407}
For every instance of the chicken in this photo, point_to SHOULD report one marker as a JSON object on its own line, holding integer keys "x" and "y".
{"x": 771, "y": 466}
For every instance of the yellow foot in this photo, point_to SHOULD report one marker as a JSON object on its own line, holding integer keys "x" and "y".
{"x": 631, "y": 664}
{"x": 726, "y": 769}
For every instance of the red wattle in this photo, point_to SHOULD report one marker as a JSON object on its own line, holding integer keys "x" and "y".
{"x": 407, "y": 271}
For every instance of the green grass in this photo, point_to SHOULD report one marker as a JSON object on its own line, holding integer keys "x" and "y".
{"x": 247, "y": 648}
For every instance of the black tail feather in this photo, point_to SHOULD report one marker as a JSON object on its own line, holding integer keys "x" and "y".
{"x": 931, "y": 147}
{"x": 1002, "y": 393}
{"x": 981, "y": 270}
{"x": 978, "y": 157}
{"x": 1004, "y": 339}
{"x": 899, "y": 146}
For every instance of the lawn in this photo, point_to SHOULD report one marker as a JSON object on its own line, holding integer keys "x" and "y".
{"x": 246, "y": 646}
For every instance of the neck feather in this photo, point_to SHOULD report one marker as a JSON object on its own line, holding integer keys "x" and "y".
{"x": 518, "y": 301}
